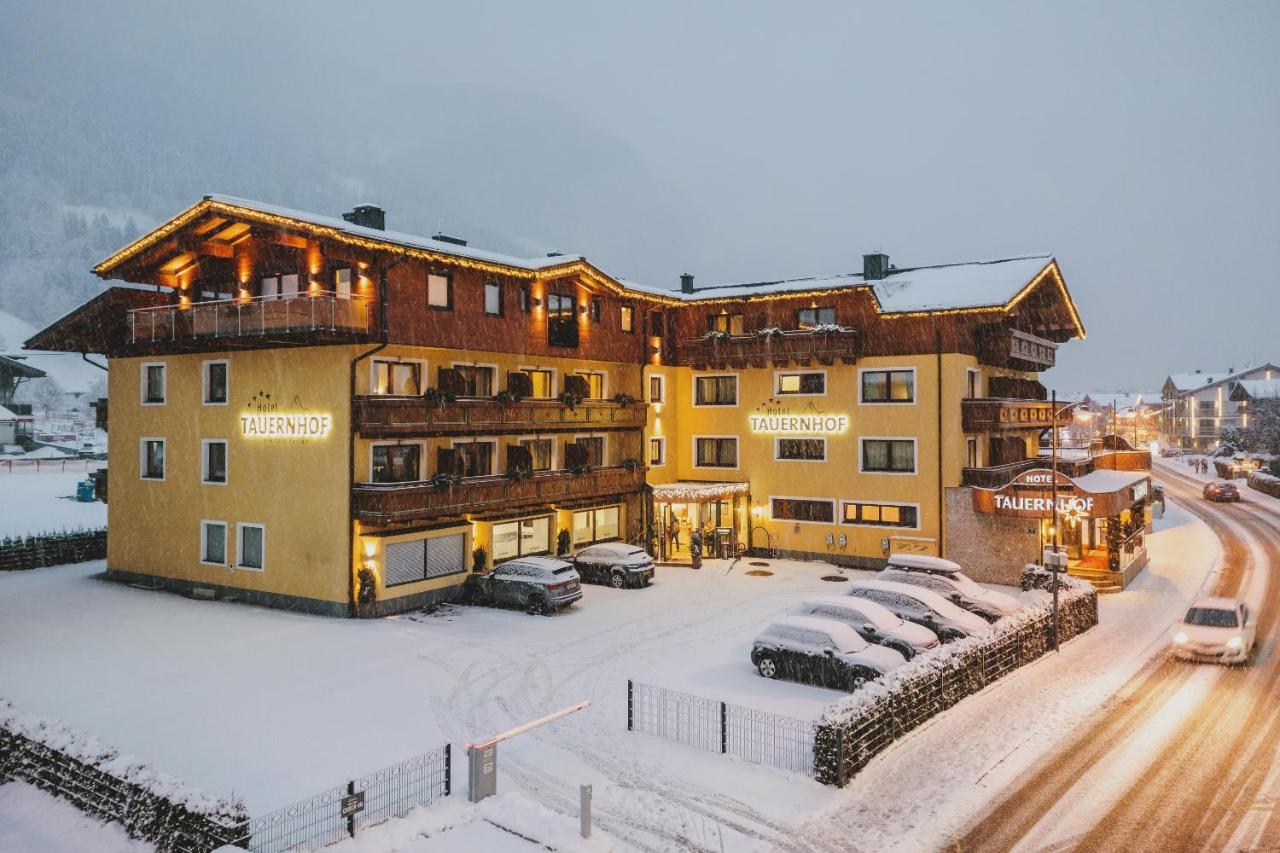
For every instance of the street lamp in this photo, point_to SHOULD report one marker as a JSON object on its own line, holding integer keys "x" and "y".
{"x": 1058, "y": 561}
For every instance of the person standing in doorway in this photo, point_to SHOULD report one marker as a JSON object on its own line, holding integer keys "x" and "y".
{"x": 675, "y": 532}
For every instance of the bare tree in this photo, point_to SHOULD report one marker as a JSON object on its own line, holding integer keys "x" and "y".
{"x": 48, "y": 395}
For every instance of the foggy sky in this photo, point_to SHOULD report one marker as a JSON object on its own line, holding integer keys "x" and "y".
{"x": 739, "y": 142}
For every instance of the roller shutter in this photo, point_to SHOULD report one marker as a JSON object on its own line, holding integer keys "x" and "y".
{"x": 446, "y": 555}
{"x": 404, "y": 562}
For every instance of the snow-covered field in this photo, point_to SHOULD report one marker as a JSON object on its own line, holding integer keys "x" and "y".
{"x": 275, "y": 706}
{"x": 36, "y": 503}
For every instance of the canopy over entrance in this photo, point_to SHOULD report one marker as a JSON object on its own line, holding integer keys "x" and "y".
{"x": 715, "y": 510}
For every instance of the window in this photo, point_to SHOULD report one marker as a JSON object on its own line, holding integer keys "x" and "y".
{"x": 440, "y": 291}
{"x": 595, "y": 384}
{"x": 541, "y": 452}
{"x": 251, "y": 546}
{"x": 522, "y": 538}
{"x": 628, "y": 318}
{"x": 215, "y": 383}
{"x": 595, "y": 525}
{"x": 478, "y": 380}
{"x": 271, "y": 287}
{"x": 971, "y": 445}
{"x": 808, "y": 382}
{"x": 889, "y": 455}
{"x": 1207, "y": 407}
{"x": 213, "y": 461}
{"x": 152, "y": 458}
{"x": 594, "y": 445}
{"x": 715, "y": 390}
{"x": 888, "y": 386}
{"x": 800, "y": 449}
{"x": 422, "y": 559}
{"x": 153, "y": 384}
{"x": 403, "y": 378}
{"x": 342, "y": 283}
{"x": 715, "y": 452}
{"x": 724, "y": 322}
{"x": 816, "y": 510}
{"x": 657, "y": 452}
{"x": 657, "y": 388}
{"x": 597, "y": 308}
{"x": 396, "y": 463}
{"x": 880, "y": 515}
{"x": 493, "y": 298}
{"x": 213, "y": 542}
{"x": 289, "y": 286}
{"x": 475, "y": 457}
{"x": 562, "y": 325}
{"x": 807, "y": 318}
{"x": 542, "y": 381}
{"x": 973, "y": 383}
{"x": 526, "y": 298}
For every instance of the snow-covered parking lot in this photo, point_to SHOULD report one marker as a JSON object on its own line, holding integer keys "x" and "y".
{"x": 45, "y": 502}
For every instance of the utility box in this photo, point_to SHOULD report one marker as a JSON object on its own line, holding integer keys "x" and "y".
{"x": 482, "y": 771}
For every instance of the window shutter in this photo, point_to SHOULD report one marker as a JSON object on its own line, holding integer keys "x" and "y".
{"x": 448, "y": 461}
{"x": 404, "y": 562}
{"x": 445, "y": 555}
{"x": 449, "y": 380}
{"x": 519, "y": 457}
{"x": 520, "y": 384}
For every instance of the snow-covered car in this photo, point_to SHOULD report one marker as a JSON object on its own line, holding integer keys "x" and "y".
{"x": 616, "y": 564}
{"x": 923, "y": 607}
{"x": 957, "y": 588}
{"x": 537, "y": 584}
{"x": 1216, "y": 629}
{"x": 822, "y": 652}
{"x": 874, "y": 623}
{"x": 1170, "y": 452}
{"x": 1221, "y": 491}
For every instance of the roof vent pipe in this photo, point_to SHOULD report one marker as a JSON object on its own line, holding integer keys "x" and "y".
{"x": 367, "y": 216}
{"x": 875, "y": 266}
{"x": 686, "y": 283}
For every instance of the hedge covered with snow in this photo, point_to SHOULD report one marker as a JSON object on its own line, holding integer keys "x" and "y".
{"x": 856, "y": 729}
{"x": 52, "y": 549}
{"x": 1268, "y": 484}
{"x": 97, "y": 779}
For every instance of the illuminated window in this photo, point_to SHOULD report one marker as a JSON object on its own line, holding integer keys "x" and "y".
{"x": 715, "y": 391}
{"x": 493, "y": 298}
{"x": 813, "y": 382}
{"x": 440, "y": 292}
{"x": 628, "y": 318}
{"x": 403, "y": 378}
{"x": 801, "y": 449}
{"x": 342, "y": 283}
{"x": 478, "y": 380}
{"x": 889, "y": 455}
{"x": 541, "y": 380}
{"x": 880, "y": 515}
{"x": 715, "y": 452}
{"x": 888, "y": 386}
{"x": 657, "y": 388}
{"x": 657, "y": 452}
{"x": 724, "y": 322}
{"x": 802, "y": 509}
{"x": 807, "y": 318}
{"x": 595, "y": 384}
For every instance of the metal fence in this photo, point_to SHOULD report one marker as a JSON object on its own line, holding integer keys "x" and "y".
{"x": 51, "y": 549}
{"x": 321, "y": 819}
{"x": 747, "y": 733}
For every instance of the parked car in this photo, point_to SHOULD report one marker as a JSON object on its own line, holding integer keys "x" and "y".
{"x": 1221, "y": 491}
{"x": 874, "y": 623}
{"x": 820, "y": 651}
{"x": 923, "y": 607}
{"x": 952, "y": 584}
{"x": 1170, "y": 452}
{"x": 1216, "y": 629}
{"x": 537, "y": 584}
{"x": 614, "y": 563}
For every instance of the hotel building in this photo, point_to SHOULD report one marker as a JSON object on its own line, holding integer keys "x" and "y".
{"x": 320, "y": 414}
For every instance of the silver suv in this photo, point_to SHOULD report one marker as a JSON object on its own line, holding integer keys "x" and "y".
{"x": 537, "y": 584}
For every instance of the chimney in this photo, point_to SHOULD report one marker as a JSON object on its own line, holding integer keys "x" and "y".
{"x": 555, "y": 254}
{"x": 367, "y": 216}
{"x": 446, "y": 238}
{"x": 875, "y": 266}
{"x": 686, "y": 283}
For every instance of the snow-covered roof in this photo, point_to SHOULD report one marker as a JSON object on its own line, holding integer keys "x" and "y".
{"x": 1121, "y": 399}
{"x": 1204, "y": 378}
{"x": 972, "y": 284}
{"x": 6, "y": 415}
{"x": 1105, "y": 480}
{"x": 1256, "y": 388}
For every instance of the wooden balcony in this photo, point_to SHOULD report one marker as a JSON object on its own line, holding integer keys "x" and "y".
{"x": 795, "y": 347}
{"x": 1015, "y": 349}
{"x": 388, "y": 417}
{"x": 991, "y": 414}
{"x": 383, "y": 503}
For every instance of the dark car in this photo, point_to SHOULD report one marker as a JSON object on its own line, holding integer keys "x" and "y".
{"x": 822, "y": 652}
{"x": 616, "y": 564}
{"x": 923, "y": 607}
{"x": 1221, "y": 491}
{"x": 536, "y": 584}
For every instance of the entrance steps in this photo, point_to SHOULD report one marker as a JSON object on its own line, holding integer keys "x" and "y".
{"x": 1103, "y": 581}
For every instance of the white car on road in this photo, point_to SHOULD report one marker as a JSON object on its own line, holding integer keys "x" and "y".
{"x": 1217, "y": 629}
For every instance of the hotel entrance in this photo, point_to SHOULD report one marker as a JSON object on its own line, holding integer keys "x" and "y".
{"x": 715, "y": 510}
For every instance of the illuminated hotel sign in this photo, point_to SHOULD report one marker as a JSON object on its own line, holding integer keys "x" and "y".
{"x": 266, "y": 419}
{"x": 305, "y": 425}
{"x": 808, "y": 424}
{"x": 1030, "y": 495}
{"x": 777, "y": 418}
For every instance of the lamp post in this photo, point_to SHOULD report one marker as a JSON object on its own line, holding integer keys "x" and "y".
{"x": 1053, "y": 502}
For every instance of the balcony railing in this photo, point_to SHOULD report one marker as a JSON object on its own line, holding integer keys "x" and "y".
{"x": 321, "y": 313}
{"x": 781, "y": 349}
{"x": 986, "y": 414}
{"x": 381, "y": 503}
{"x": 383, "y": 416}
{"x": 995, "y": 476}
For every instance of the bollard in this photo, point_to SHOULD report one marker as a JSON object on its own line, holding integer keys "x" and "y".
{"x": 584, "y": 809}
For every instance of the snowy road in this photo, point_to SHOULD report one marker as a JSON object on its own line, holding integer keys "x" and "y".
{"x": 1188, "y": 757}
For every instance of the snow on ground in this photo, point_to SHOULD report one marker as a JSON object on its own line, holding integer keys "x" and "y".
{"x": 33, "y": 821}
{"x": 37, "y": 502}
{"x": 1247, "y": 495}
{"x": 264, "y": 704}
